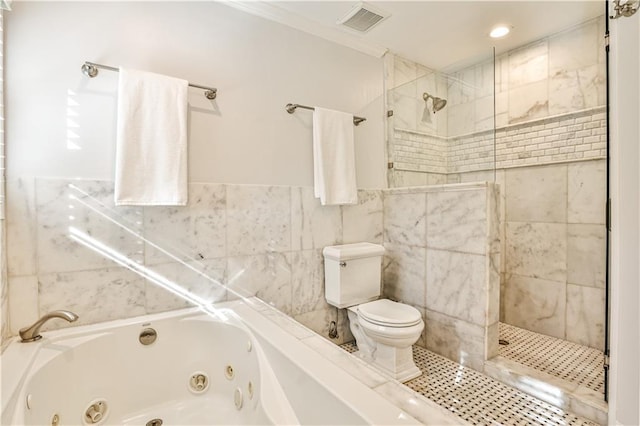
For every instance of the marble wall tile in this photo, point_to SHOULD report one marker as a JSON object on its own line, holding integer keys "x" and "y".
{"x": 313, "y": 226}
{"x": 535, "y": 304}
{"x": 404, "y": 71}
{"x": 307, "y": 282}
{"x": 457, "y": 220}
{"x": 492, "y": 340}
{"x": 461, "y": 86}
{"x": 484, "y": 113}
{"x": 529, "y": 102}
{"x": 574, "y": 90}
{"x": 404, "y": 110}
{"x": 574, "y": 49}
{"x": 404, "y": 219}
{"x": 21, "y": 226}
{"x": 493, "y": 277}
{"x": 403, "y": 273}
{"x": 436, "y": 179}
{"x": 456, "y": 285}
{"x": 484, "y": 79}
{"x": 494, "y": 201}
{"x": 501, "y": 182}
{"x": 203, "y": 281}
{"x": 502, "y": 109}
{"x": 477, "y": 176}
{"x": 363, "y": 221}
{"x": 403, "y": 178}
{"x": 196, "y": 231}
{"x": 455, "y": 339}
{"x": 587, "y": 192}
{"x": 66, "y": 205}
{"x": 23, "y": 293}
{"x": 460, "y": 119}
{"x": 267, "y": 276}
{"x": 528, "y": 64}
{"x": 537, "y": 194}
{"x": 96, "y": 296}
{"x": 585, "y": 315}
{"x": 320, "y": 320}
{"x": 502, "y": 73}
{"x": 537, "y": 250}
{"x": 258, "y": 219}
{"x": 586, "y": 255}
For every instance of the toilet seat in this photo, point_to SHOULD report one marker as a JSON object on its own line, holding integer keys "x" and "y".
{"x": 387, "y": 313}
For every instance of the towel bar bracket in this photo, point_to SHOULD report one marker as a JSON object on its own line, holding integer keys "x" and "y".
{"x": 90, "y": 69}
{"x": 292, "y": 107}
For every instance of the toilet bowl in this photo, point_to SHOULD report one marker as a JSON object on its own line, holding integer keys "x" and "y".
{"x": 385, "y": 332}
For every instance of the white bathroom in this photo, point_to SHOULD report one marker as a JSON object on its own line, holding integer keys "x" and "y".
{"x": 415, "y": 223}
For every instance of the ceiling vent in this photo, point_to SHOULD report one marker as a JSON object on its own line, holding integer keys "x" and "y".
{"x": 362, "y": 17}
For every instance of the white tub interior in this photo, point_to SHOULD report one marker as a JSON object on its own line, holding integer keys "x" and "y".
{"x": 66, "y": 372}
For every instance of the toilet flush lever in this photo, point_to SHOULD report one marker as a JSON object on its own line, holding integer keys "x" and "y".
{"x": 343, "y": 264}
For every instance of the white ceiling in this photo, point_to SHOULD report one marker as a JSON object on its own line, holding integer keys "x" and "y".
{"x": 441, "y": 35}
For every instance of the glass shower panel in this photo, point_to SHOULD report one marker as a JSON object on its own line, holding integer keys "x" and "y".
{"x": 441, "y": 127}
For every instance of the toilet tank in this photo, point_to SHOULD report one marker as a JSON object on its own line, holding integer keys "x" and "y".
{"x": 352, "y": 273}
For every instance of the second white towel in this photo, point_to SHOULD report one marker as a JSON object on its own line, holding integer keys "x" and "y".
{"x": 334, "y": 167}
{"x": 151, "y": 144}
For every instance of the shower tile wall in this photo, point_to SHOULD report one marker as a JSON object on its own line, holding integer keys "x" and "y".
{"x": 550, "y": 146}
{"x": 442, "y": 257}
{"x": 555, "y": 250}
{"x": 230, "y": 241}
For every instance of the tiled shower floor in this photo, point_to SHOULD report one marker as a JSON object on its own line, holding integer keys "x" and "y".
{"x": 479, "y": 399}
{"x": 574, "y": 363}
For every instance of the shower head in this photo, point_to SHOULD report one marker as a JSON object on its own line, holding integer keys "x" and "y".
{"x": 437, "y": 103}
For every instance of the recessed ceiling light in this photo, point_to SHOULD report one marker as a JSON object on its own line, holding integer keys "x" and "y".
{"x": 499, "y": 31}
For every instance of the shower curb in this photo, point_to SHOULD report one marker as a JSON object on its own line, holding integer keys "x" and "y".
{"x": 568, "y": 396}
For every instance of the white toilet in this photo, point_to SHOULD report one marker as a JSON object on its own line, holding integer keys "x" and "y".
{"x": 384, "y": 330}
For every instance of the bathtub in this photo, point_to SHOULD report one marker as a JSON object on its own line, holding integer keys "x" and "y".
{"x": 230, "y": 365}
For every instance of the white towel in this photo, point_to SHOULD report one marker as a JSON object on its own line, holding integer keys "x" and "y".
{"x": 334, "y": 167}
{"x": 151, "y": 144}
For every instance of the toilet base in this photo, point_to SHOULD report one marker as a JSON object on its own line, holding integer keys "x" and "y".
{"x": 394, "y": 362}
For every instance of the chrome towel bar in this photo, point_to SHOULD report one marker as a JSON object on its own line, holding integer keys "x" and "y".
{"x": 90, "y": 69}
{"x": 292, "y": 107}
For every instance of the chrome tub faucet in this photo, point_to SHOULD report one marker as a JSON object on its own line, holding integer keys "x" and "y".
{"x": 32, "y": 333}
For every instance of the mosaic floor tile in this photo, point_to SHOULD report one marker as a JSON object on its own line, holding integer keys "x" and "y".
{"x": 569, "y": 361}
{"x": 479, "y": 399}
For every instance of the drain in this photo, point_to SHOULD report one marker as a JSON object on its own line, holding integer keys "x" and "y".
{"x": 503, "y": 342}
{"x": 154, "y": 422}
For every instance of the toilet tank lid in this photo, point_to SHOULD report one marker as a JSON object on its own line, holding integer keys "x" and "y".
{"x": 352, "y": 251}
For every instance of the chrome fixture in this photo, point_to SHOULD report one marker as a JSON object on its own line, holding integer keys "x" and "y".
{"x": 625, "y": 8}
{"x": 32, "y": 333}
{"x": 436, "y": 103}
{"x": 154, "y": 422}
{"x": 292, "y": 107}
{"x": 148, "y": 336}
{"x": 90, "y": 69}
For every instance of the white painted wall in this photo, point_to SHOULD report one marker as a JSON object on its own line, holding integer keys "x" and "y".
{"x": 62, "y": 124}
{"x": 625, "y": 245}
